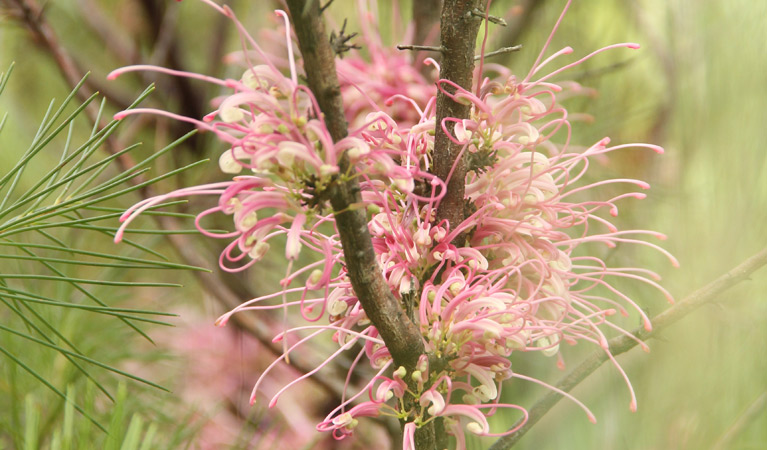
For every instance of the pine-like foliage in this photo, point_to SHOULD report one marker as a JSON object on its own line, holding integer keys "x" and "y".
{"x": 61, "y": 279}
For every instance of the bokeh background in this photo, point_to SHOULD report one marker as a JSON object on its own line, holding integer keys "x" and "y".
{"x": 697, "y": 87}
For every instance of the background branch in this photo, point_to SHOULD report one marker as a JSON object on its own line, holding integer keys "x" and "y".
{"x": 426, "y": 15}
{"x": 622, "y": 344}
{"x": 31, "y": 16}
{"x": 167, "y": 53}
{"x": 522, "y": 16}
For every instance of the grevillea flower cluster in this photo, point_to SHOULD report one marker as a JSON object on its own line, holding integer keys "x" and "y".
{"x": 504, "y": 283}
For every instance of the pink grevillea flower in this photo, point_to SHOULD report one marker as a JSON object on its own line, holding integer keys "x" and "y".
{"x": 385, "y": 79}
{"x": 510, "y": 281}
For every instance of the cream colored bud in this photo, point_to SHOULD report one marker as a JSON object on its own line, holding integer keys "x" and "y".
{"x": 327, "y": 170}
{"x": 315, "y": 277}
{"x": 259, "y": 250}
{"x": 474, "y": 427}
{"x": 231, "y": 114}
{"x": 228, "y": 164}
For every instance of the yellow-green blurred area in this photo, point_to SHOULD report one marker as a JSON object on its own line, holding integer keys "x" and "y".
{"x": 697, "y": 87}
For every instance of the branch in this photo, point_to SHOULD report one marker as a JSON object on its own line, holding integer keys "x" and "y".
{"x": 250, "y": 323}
{"x": 476, "y": 12}
{"x": 521, "y": 18}
{"x": 167, "y": 52}
{"x": 500, "y": 51}
{"x": 428, "y": 48}
{"x": 425, "y": 19}
{"x": 30, "y": 14}
{"x": 107, "y": 31}
{"x": 402, "y": 337}
{"x": 622, "y": 344}
{"x": 458, "y": 33}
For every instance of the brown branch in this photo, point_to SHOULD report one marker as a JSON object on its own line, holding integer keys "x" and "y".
{"x": 30, "y": 14}
{"x": 425, "y": 19}
{"x": 490, "y": 18}
{"x": 428, "y": 48}
{"x": 401, "y": 336}
{"x": 622, "y": 344}
{"x": 458, "y": 33}
{"x": 521, "y": 17}
{"x": 168, "y": 53}
{"x": 458, "y": 36}
{"x": 250, "y": 323}
{"x": 500, "y": 51}
{"x": 403, "y": 339}
{"x": 319, "y": 64}
{"x": 113, "y": 38}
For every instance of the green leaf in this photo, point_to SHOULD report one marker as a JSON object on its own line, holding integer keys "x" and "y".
{"x": 133, "y": 435}
{"x": 44, "y": 381}
{"x": 118, "y": 417}
{"x": 55, "y": 209}
{"x": 148, "y": 442}
{"x": 31, "y": 423}
{"x": 82, "y": 357}
{"x": 68, "y": 425}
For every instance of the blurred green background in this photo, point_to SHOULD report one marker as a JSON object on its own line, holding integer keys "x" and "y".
{"x": 697, "y": 87}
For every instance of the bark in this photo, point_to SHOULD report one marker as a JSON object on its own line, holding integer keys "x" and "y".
{"x": 458, "y": 33}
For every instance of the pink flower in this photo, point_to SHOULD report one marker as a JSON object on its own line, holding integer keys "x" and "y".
{"x": 516, "y": 289}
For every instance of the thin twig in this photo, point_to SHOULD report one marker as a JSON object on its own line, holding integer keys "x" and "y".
{"x": 500, "y": 51}
{"x": 476, "y": 12}
{"x": 325, "y": 6}
{"x": 339, "y": 42}
{"x": 427, "y": 48}
{"x": 622, "y": 344}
